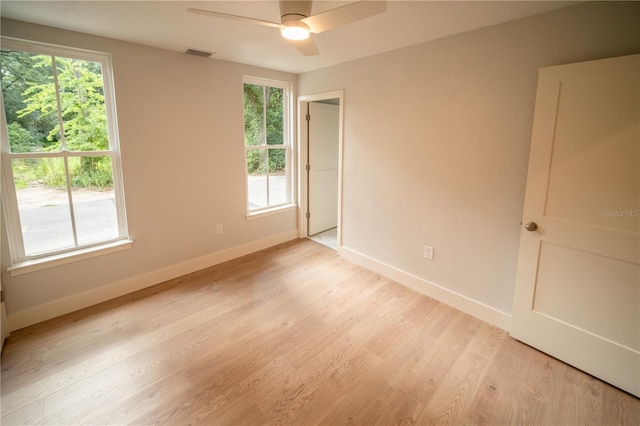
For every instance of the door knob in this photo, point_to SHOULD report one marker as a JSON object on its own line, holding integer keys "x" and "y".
{"x": 530, "y": 226}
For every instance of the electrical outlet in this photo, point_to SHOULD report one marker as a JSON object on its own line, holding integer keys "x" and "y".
{"x": 219, "y": 228}
{"x": 428, "y": 252}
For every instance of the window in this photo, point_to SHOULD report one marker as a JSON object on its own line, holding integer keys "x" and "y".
{"x": 62, "y": 181}
{"x": 267, "y": 140}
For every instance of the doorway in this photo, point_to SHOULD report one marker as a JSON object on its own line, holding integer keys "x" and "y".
{"x": 320, "y": 162}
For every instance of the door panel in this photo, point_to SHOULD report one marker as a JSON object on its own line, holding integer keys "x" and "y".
{"x": 323, "y": 162}
{"x": 577, "y": 293}
{"x": 603, "y": 291}
{"x": 595, "y": 152}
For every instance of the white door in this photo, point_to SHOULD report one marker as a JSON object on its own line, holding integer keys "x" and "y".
{"x": 577, "y": 293}
{"x": 323, "y": 151}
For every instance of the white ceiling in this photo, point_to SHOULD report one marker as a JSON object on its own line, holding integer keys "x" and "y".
{"x": 166, "y": 24}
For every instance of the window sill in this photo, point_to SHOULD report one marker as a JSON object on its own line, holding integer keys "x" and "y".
{"x": 268, "y": 212}
{"x": 64, "y": 258}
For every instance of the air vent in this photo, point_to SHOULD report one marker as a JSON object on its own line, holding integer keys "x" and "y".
{"x": 202, "y": 53}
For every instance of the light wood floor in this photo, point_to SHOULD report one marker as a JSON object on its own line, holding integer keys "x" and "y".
{"x": 291, "y": 335}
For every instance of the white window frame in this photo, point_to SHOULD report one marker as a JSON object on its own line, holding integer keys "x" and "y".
{"x": 22, "y": 263}
{"x": 287, "y": 145}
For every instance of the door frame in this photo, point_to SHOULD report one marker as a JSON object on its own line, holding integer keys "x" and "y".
{"x": 4, "y": 320}
{"x": 303, "y": 139}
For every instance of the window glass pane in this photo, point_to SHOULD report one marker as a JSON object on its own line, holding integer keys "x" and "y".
{"x": 43, "y": 204}
{"x": 277, "y": 177}
{"x": 93, "y": 199}
{"x": 254, "y": 115}
{"x": 257, "y": 178}
{"x": 82, "y": 102}
{"x": 29, "y": 100}
{"x": 56, "y": 113}
{"x": 275, "y": 116}
{"x": 266, "y": 142}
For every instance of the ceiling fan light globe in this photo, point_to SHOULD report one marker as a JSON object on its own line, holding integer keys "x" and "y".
{"x": 295, "y": 31}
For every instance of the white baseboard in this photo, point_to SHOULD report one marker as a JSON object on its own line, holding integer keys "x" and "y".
{"x": 451, "y": 298}
{"x": 83, "y": 300}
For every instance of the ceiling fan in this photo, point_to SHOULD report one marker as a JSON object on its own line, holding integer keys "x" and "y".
{"x": 297, "y": 22}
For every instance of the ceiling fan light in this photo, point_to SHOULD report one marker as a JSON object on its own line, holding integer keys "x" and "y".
{"x": 295, "y": 31}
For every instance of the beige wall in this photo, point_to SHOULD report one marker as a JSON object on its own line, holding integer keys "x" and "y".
{"x": 437, "y": 143}
{"x": 181, "y": 137}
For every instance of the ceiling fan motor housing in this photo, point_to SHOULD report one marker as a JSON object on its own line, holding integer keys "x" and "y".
{"x": 294, "y": 10}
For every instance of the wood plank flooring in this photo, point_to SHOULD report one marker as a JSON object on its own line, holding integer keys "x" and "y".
{"x": 290, "y": 335}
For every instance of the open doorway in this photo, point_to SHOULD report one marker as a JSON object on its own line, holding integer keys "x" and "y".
{"x": 320, "y": 124}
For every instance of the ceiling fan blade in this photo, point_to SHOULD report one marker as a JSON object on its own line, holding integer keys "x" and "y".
{"x": 307, "y": 47}
{"x": 344, "y": 15}
{"x": 234, "y": 17}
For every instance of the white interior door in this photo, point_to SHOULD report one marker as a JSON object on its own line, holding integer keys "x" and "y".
{"x": 323, "y": 151}
{"x": 577, "y": 293}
